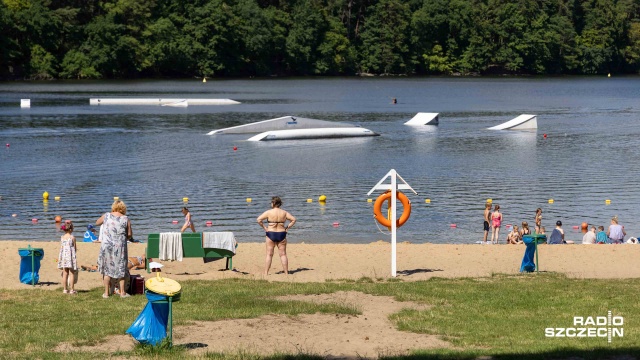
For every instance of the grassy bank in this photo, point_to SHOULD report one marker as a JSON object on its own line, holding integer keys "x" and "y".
{"x": 500, "y": 316}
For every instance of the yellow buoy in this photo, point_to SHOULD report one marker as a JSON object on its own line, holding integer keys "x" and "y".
{"x": 204, "y": 79}
{"x": 550, "y": 201}
{"x": 489, "y": 201}
{"x": 45, "y": 195}
{"x": 185, "y": 199}
{"x": 57, "y": 198}
{"x": 248, "y": 199}
{"x": 428, "y": 201}
{"x": 609, "y": 75}
{"x": 115, "y": 198}
{"x": 369, "y": 200}
{"x": 322, "y": 198}
{"x": 309, "y": 200}
{"x": 608, "y": 202}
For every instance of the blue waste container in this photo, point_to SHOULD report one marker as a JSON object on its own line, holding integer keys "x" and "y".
{"x": 150, "y": 327}
{"x": 30, "y": 264}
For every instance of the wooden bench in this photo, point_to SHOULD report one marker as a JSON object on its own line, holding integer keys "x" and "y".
{"x": 191, "y": 248}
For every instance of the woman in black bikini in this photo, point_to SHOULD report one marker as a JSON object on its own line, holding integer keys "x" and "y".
{"x": 276, "y": 232}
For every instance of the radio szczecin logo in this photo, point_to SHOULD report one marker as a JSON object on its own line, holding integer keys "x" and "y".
{"x": 590, "y": 327}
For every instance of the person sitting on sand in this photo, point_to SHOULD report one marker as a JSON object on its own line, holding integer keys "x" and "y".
{"x": 525, "y": 230}
{"x": 601, "y": 236}
{"x": 590, "y": 236}
{"x": 557, "y": 236}
{"x": 514, "y": 236}
{"x": 90, "y": 234}
{"x": 616, "y": 231}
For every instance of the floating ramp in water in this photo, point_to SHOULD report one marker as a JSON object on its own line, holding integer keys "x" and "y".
{"x": 281, "y": 123}
{"x": 183, "y": 103}
{"x": 424, "y": 119}
{"x": 141, "y": 101}
{"x": 522, "y": 122}
{"x": 321, "y": 133}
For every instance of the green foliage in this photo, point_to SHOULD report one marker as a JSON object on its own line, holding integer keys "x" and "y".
{"x": 160, "y": 38}
{"x": 385, "y": 39}
{"x": 42, "y": 64}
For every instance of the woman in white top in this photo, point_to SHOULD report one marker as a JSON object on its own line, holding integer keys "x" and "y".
{"x": 616, "y": 232}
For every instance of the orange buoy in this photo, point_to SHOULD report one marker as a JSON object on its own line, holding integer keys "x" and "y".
{"x": 377, "y": 209}
{"x": 58, "y": 218}
{"x": 453, "y": 226}
{"x": 209, "y": 223}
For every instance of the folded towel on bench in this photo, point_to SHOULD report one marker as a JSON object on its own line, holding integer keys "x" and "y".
{"x": 219, "y": 240}
{"x": 170, "y": 246}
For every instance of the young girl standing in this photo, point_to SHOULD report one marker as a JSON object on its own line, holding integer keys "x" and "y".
{"x": 496, "y": 222}
{"x": 67, "y": 258}
{"x": 538, "y": 220}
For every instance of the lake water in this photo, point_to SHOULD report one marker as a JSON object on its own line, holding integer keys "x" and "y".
{"x": 152, "y": 157}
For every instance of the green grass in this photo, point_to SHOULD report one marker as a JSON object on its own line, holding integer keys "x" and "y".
{"x": 500, "y": 316}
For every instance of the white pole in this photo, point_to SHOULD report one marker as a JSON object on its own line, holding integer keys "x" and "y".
{"x": 394, "y": 189}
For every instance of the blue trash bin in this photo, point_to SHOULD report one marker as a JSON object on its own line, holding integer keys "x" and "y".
{"x": 150, "y": 327}
{"x": 30, "y": 264}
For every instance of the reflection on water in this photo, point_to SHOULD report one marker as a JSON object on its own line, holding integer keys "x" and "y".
{"x": 152, "y": 156}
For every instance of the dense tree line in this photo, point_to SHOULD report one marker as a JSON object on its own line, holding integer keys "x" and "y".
{"x": 44, "y": 39}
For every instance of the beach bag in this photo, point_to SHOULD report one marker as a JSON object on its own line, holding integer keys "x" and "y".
{"x": 136, "y": 285}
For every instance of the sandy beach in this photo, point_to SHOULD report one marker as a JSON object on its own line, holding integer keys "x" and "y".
{"x": 322, "y": 262}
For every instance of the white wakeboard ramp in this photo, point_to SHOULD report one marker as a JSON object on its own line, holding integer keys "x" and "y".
{"x": 522, "y": 122}
{"x": 424, "y": 119}
{"x": 143, "y": 101}
{"x": 293, "y": 128}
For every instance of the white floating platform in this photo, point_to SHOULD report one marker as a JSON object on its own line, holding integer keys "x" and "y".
{"x": 322, "y": 133}
{"x": 522, "y": 122}
{"x": 183, "y": 103}
{"x": 424, "y": 119}
{"x": 281, "y": 123}
{"x": 141, "y": 101}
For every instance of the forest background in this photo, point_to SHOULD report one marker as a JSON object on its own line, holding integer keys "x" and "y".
{"x": 77, "y": 39}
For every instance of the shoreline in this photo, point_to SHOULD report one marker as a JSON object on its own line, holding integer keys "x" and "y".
{"x": 330, "y": 262}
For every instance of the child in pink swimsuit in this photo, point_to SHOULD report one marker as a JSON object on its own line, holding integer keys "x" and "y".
{"x": 496, "y": 221}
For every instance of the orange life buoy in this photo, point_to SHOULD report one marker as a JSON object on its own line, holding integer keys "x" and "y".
{"x": 377, "y": 209}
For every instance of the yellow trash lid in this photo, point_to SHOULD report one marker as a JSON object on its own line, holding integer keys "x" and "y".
{"x": 163, "y": 285}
